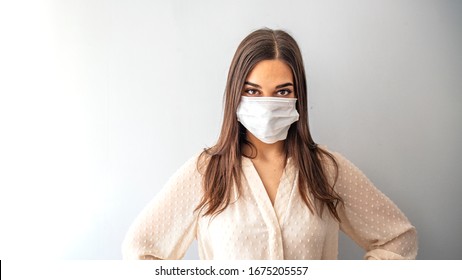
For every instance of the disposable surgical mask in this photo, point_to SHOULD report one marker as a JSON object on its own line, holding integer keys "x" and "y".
{"x": 267, "y": 118}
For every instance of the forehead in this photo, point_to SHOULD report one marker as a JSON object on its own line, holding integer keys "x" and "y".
{"x": 270, "y": 72}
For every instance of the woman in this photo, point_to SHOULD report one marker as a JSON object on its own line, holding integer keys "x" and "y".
{"x": 266, "y": 190}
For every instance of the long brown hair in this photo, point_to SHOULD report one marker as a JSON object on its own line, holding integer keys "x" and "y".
{"x": 223, "y": 161}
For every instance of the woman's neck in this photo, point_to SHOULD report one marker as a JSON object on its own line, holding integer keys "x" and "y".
{"x": 264, "y": 151}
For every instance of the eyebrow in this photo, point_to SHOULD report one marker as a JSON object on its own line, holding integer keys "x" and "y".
{"x": 279, "y": 86}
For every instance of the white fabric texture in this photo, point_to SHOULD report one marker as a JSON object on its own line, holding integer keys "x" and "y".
{"x": 252, "y": 228}
{"x": 267, "y": 118}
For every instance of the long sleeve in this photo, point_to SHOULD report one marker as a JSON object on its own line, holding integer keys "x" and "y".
{"x": 167, "y": 225}
{"x": 370, "y": 218}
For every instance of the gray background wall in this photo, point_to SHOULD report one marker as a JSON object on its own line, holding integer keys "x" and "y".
{"x": 101, "y": 101}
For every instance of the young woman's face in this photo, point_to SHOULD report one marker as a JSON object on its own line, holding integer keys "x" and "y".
{"x": 270, "y": 78}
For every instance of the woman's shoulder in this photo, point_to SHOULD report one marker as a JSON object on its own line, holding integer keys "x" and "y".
{"x": 196, "y": 163}
{"x": 192, "y": 163}
{"x": 333, "y": 159}
{"x": 327, "y": 155}
{"x": 343, "y": 169}
{"x": 186, "y": 177}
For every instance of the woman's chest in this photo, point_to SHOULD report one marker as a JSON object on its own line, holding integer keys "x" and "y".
{"x": 245, "y": 230}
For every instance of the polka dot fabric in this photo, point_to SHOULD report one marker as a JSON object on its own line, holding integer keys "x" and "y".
{"x": 251, "y": 227}
{"x": 167, "y": 225}
{"x": 371, "y": 219}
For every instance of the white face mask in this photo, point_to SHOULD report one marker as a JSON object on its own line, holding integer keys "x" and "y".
{"x": 267, "y": 118}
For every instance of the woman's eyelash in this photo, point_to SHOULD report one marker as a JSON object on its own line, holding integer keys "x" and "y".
{"x": 286, "y": 91}
{"x": 254, "y": 91}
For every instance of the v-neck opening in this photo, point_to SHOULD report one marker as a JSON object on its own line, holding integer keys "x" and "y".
{"x": 279, "y": 184}
{"x": 283, "y": 192}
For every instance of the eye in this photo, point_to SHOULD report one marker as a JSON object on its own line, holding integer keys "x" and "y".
{"x": 251, "y": 91}
{"x": 283, "y": 92}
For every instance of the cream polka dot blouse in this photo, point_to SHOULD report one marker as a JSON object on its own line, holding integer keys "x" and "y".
{"x": 251, "y": 227}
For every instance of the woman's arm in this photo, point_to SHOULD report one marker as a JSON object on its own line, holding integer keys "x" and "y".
{"x": 370, "y": 218}
{"x": 167, "y": 225}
